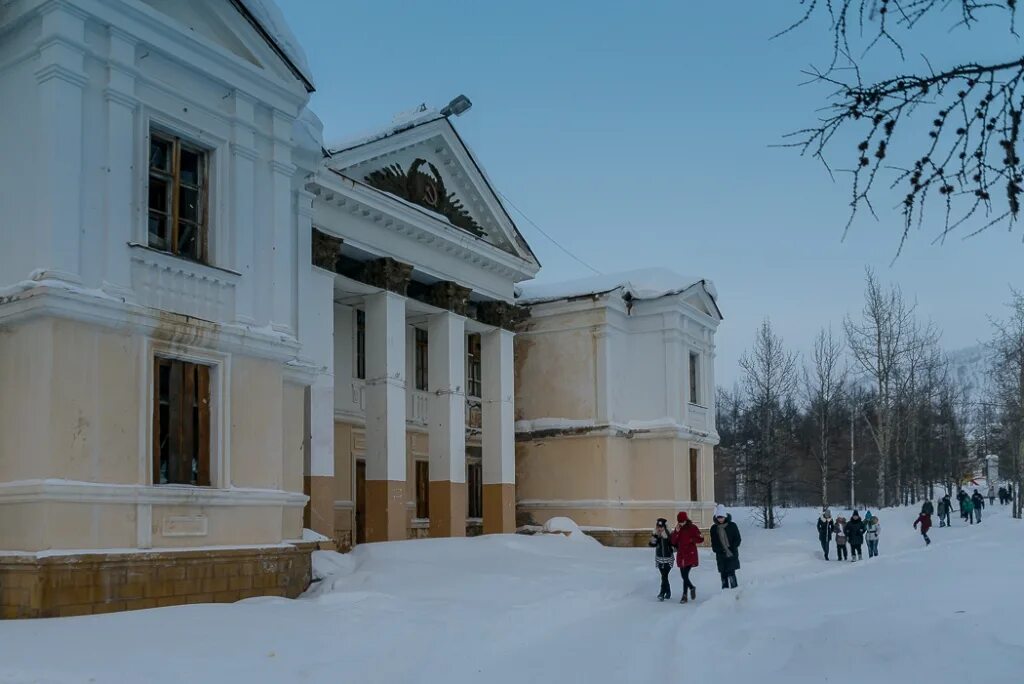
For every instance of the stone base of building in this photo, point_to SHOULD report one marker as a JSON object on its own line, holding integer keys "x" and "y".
{"x": 631, "y": 538}
{"x": 34, "y": 586}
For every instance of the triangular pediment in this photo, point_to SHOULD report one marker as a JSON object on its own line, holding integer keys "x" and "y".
{"x": 224, "y": 24}
{"x": 426, "y": 163}
{"x": 699, "y": 298}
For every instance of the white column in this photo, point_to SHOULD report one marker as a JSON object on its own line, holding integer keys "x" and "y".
{"x": 61, "y": 78}
{"x": 121, "y": 140}
{"x": 603, "y": 376}
{"x": 282, "y": 231}
{"x": 385, "y": 416}
{"x": 499, "y": 456}
{"x": 446, "y": 363}
{"x": 243, "y": 205}
{"x": 675, "y": 377}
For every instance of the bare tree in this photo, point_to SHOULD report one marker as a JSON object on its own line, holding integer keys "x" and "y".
{"x": 771, "y": 380}
{"x": 883, "y": 342}
{"x": 1007, "y": 372}
{"x": 951, "y": 134}
{"x": 824, "y": 384}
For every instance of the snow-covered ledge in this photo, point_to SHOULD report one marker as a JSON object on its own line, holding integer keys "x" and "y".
{"x": 76, "y": 491}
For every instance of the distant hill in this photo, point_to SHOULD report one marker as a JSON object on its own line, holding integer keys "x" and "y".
{"x": 968, "y": 367}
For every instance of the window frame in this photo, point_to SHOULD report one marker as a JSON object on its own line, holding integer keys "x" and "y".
{"x": 172, "y": 177}
{"x": 421, "y": 467}
{"x": 359, "y": 344}
{"x": 474, "y": 489}
{"x": 421, "y": 359}
{"x": 474, "y": 361}
{"x": 694, "y": 474}
{"x": 195, "y": 380}
{"x": 693, "y": 373}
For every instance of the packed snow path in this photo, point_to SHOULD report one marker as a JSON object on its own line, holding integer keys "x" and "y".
{"x": 551, "y": 609}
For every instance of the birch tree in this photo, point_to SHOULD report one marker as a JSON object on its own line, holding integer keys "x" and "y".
{"x": 1007, "y": 372}
{"x": 824, "y": 384}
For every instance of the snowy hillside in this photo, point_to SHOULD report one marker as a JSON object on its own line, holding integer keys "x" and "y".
{"x": 557, "y": 609}
{"x": 968, "y": 367}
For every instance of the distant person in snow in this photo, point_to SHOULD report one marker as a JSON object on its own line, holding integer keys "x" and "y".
{"x": 927, "y": 507}
{"x": 925, "y": 521}
{"x": 991, "y": 495}
{"x": 686, "y": 538}
{"x": 664, "y": 554}
{"x": 979, "y": 503}
{"x": 825, "y": 528}
{"x": 967, "y": 509}
{"x": 725, "y": 542}
{"x": 871, "y": 531}
{"x": 961, "y": 497}
{"x": 840, "y": 530}
{"x": 945, "y": 508}
{"x": 1002, "y": 496}
{"x": 855, "y": 535}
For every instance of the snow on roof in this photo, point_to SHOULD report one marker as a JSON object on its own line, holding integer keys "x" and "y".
{"x": 648, "y": 283}
{"x": 268, "y": 15}
{"x": 308, "y": 131}
{"x": 401, "y": 122}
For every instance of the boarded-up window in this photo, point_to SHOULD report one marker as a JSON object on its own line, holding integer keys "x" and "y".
{"x": 473, "y": 358}
{"x": 181, "y": 422}
{"x": 694, "y": 473}
{"x": 360, "y": 344}
{"x": 422, "y": 489}
{"x": 178, "y": 190}
{"x": 474, "y": 489}
{"x": 421, "y": 359}
{"x": 694, "y": 378}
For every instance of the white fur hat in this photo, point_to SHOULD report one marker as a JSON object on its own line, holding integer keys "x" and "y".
{"x": 719, "y": 511}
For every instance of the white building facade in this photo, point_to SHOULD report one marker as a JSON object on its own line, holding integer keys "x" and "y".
{"x": 615, "y": 402}
{"x": 154, "y": 216}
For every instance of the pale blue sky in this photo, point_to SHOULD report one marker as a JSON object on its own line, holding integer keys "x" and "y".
{"x": 638, "y": 134}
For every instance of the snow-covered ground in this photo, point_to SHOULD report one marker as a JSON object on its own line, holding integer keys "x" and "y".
{"x": 552, "y": 608}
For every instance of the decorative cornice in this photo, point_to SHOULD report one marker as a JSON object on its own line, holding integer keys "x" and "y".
{"x": 326, "y": 250}
{"x": 118, "y": 97}
{"x": 61, "y": 73}
{"x": 244, "y": 151}
{"x": 283, "y": 168}
{"x": 72, "y": 491}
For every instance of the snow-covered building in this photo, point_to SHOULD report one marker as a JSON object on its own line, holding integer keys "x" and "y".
{"x": 615, "y": 402}
{"x": 152, "y": 379}
{"x": 415, "y": 264}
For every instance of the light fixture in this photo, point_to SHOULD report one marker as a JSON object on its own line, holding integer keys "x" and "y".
{"x": 459, "y": 106}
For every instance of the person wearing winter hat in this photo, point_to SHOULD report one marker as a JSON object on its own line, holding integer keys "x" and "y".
{"x": 725, "y": 542}
{"x": 686, "y": 537}
{"x": 825, "y": 528}
{"x": 855, "y": 534}
{"x": 664, "y": 554}
{"x": 841, "y": 538}
{"x": 872, "y": 528}
{"x": 925, "y": 521}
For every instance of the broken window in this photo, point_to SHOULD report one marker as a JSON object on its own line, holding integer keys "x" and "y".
{"x": 422, "y": 489}
{"x": 421, "y": 359}
{"x": 474, "y": 484}
{"x": 178, "y": 190}
{"x": 473, "y": 378}
{"x": 181, "y": 422}
{"x": 360, "y": 344}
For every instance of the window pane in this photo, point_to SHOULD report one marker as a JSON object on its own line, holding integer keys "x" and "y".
{"x": 158, "y": 232}
{"x": 159, "y": 154}
{"x": 188, "y": 240}
{"x": 158, "y": 194}
{"x": 190, "y": 162}
{"x": 188, "y": 204}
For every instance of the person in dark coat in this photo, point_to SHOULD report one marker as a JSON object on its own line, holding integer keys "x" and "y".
{"x": 961, "y": 497}
{"x": 686, "y": 538}
{"x": 967, "y": 509}
{"x": 979, "y": 503}
{"x": 855, "y": 535}
{"x": 664, "y": 554}
{"x": 925, "y": 521}
{"x": 945, "y": 508}
{"x": 725, "y": 542}
{"x": 1002, "y": 496}
{"x": 927, "y": 507}
{"x": 825, "y": 528}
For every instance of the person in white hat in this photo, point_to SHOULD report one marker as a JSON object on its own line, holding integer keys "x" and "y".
{"x": 725, "y": 542}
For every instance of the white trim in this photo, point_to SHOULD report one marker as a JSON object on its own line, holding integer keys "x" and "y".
{"x": 63, "y": 553}
{"x": 74, "y": 491}
{"x": 543, "y": 504}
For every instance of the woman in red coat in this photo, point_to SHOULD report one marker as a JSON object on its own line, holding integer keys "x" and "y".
{"x": 686, "y": 537}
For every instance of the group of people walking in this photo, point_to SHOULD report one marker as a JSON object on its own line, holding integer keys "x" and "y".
{"x": 1005, "y": 494}
{"x": 852, "y": 533}
{"x": 678, "y": 547}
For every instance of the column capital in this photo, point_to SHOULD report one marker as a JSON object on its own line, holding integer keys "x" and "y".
{"x": 326, "y": 250}
{"x": 449, "y": 295}
{"x": 501, "y": 314}
{"x": 387, "y": 274}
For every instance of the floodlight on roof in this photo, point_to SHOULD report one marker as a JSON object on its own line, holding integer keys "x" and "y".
{"x": 459, "y": 106}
